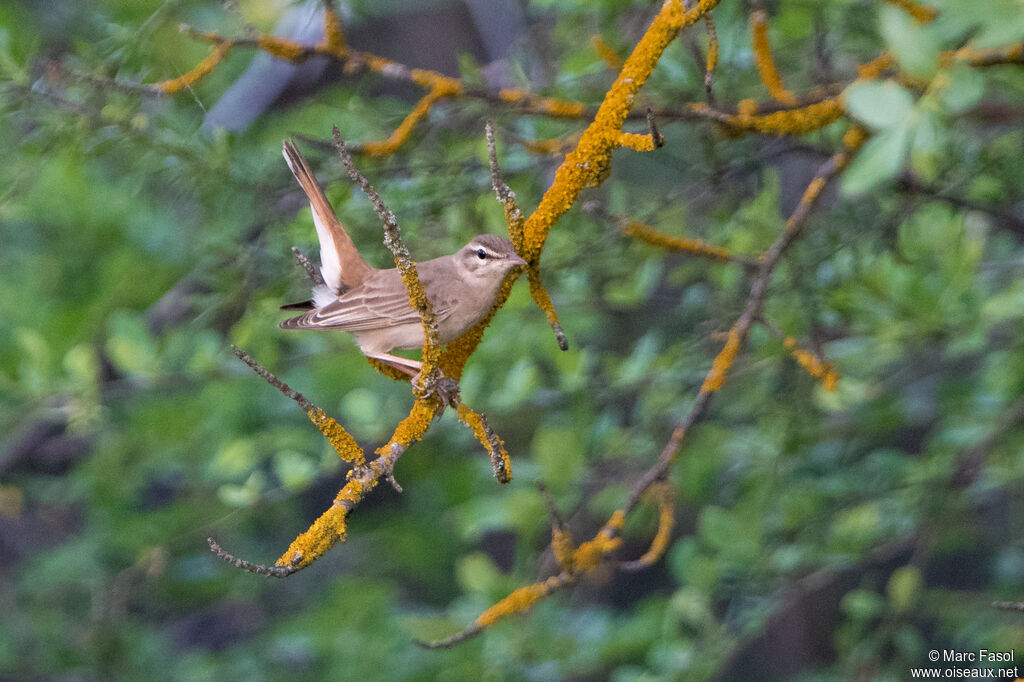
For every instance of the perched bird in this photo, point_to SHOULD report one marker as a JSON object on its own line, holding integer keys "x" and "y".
{"x": 373, "y": 305}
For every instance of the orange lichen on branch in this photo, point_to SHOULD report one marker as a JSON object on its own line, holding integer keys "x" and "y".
{"x": 553, "y": 145}
{"x": 574, "y": 562}
{"x": 562, "y": 547}
{"x": 763, "y": 59}
{"x": 412, "y": 428}
{"x": 588, "y": 164}
{"x": 591, "y": 553}
{"x": 715, "y": 378}
{"x": 695, "y": 247}
{"x": 798, "y": 121}
{"x": 401, "y": 133}
{"x": 520, "y": 600}
{"x": 328, "y": 530}
{"x": 199, "y": 72}
{"x": 514, "y": 221}
{"x": 540, "y": 296}
{"x": 854, "y": 139}
{"x": 637, "y": 142}
{"x": 662, "y": 493}
{"x": 876, "y": 67}
{"x": 1012, "y": 53}
{"x": 283, "y": 48}
{"x": 822, "y": 370}
{"x": 340, "y": 439}
{"x": 334, "y": 33}
{"x": 493, "y": 444}
{"x": 712, "y": 59}
{"x": 555, "y": 108}
{"x": 605, "y": 52}
{"x": 921, "y": 13}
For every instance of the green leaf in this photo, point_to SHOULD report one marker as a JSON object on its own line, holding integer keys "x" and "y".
{"x": 963, "y": 88}
{"x": 879, "y": 161}
{"x": 915, "y": 46}
{"x": 878, "y": 104}
{"x": 903, "y": 588}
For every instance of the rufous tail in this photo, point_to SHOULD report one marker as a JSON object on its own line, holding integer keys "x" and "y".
{"x": 341, "y": 264}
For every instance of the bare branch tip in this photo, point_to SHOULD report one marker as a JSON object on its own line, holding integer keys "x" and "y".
{"x": 249, "y": 567}
{"x": 449, "y": 642}
{"x": 656, "y": 137}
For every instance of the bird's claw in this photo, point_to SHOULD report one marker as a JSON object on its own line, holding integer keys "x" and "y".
{"x": 437, "y": 384}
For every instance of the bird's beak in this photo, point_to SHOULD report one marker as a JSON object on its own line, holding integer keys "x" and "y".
{"x": 516, "y": 260}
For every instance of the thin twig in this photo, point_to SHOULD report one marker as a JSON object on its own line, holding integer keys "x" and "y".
{"x": 256, "y": 569}
{"x": 303, "y": 402}
{"x": 314, "y": 273}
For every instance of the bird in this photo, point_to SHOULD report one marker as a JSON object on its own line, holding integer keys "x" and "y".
{"x": 373, "y": 304}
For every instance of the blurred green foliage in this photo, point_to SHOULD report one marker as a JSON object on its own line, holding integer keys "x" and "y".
{"x": 135, "y": 248}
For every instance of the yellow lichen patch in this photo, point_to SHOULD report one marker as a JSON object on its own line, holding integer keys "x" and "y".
{"x": 520, "y": 600}
{"x": 540, "y": 296}
{"x": 327, "y": 530}
{"x": 855, "y": 137}
{"x": 201, "y": 70}
{"x": 401, "y": 133}
{"x": 922, "y": 13}
{"x": 823, "y": 370}
{"x": 789, "y": 122}
{"x": 412, "y": 427}
{"x": 334, "y": 33}
{"x": 696, "y": 247}
{"x": 605, "y": 52}
{"x": 763, "y": 59}
{"x": 1004, "y": 54}
{"x": 715, "y": 378}
{"x": 282, "y": 48}
{"x": 588, "y": 163}
{"x": 552, "y": 145}
{"x": 340, "y": 439}
{"x": 666, "y": 522}
{"x": 435, "y": 81}
{"x": 590, "y": 554}
{"x": 563, "y": 548}
{"x": 875, "y": 68}
{"x": 616, "y": 521}
{"x": 712, "y": 60}
{"x": 745, "y": 107}
{"x": 553, "y": 107}
{"x": 495, "y": 446}
{"x": 637, "y": 142}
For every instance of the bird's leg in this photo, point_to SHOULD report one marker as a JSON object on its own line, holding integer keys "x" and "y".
{"x": 404, "y": 365}
{"x": 447, "y": 390}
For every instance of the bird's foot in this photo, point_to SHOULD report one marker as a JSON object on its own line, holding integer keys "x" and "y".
{"x": 437, "y": 384}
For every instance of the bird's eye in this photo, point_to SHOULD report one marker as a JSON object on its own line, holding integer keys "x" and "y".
{"x": 481, "y": 254}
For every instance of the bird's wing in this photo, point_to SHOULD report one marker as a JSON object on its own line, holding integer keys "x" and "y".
{"x": 381, "y": 302}
{"x": 341, "y": 264}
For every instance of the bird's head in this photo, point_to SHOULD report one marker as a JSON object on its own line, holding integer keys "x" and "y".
{"x": 487, "y": 258}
